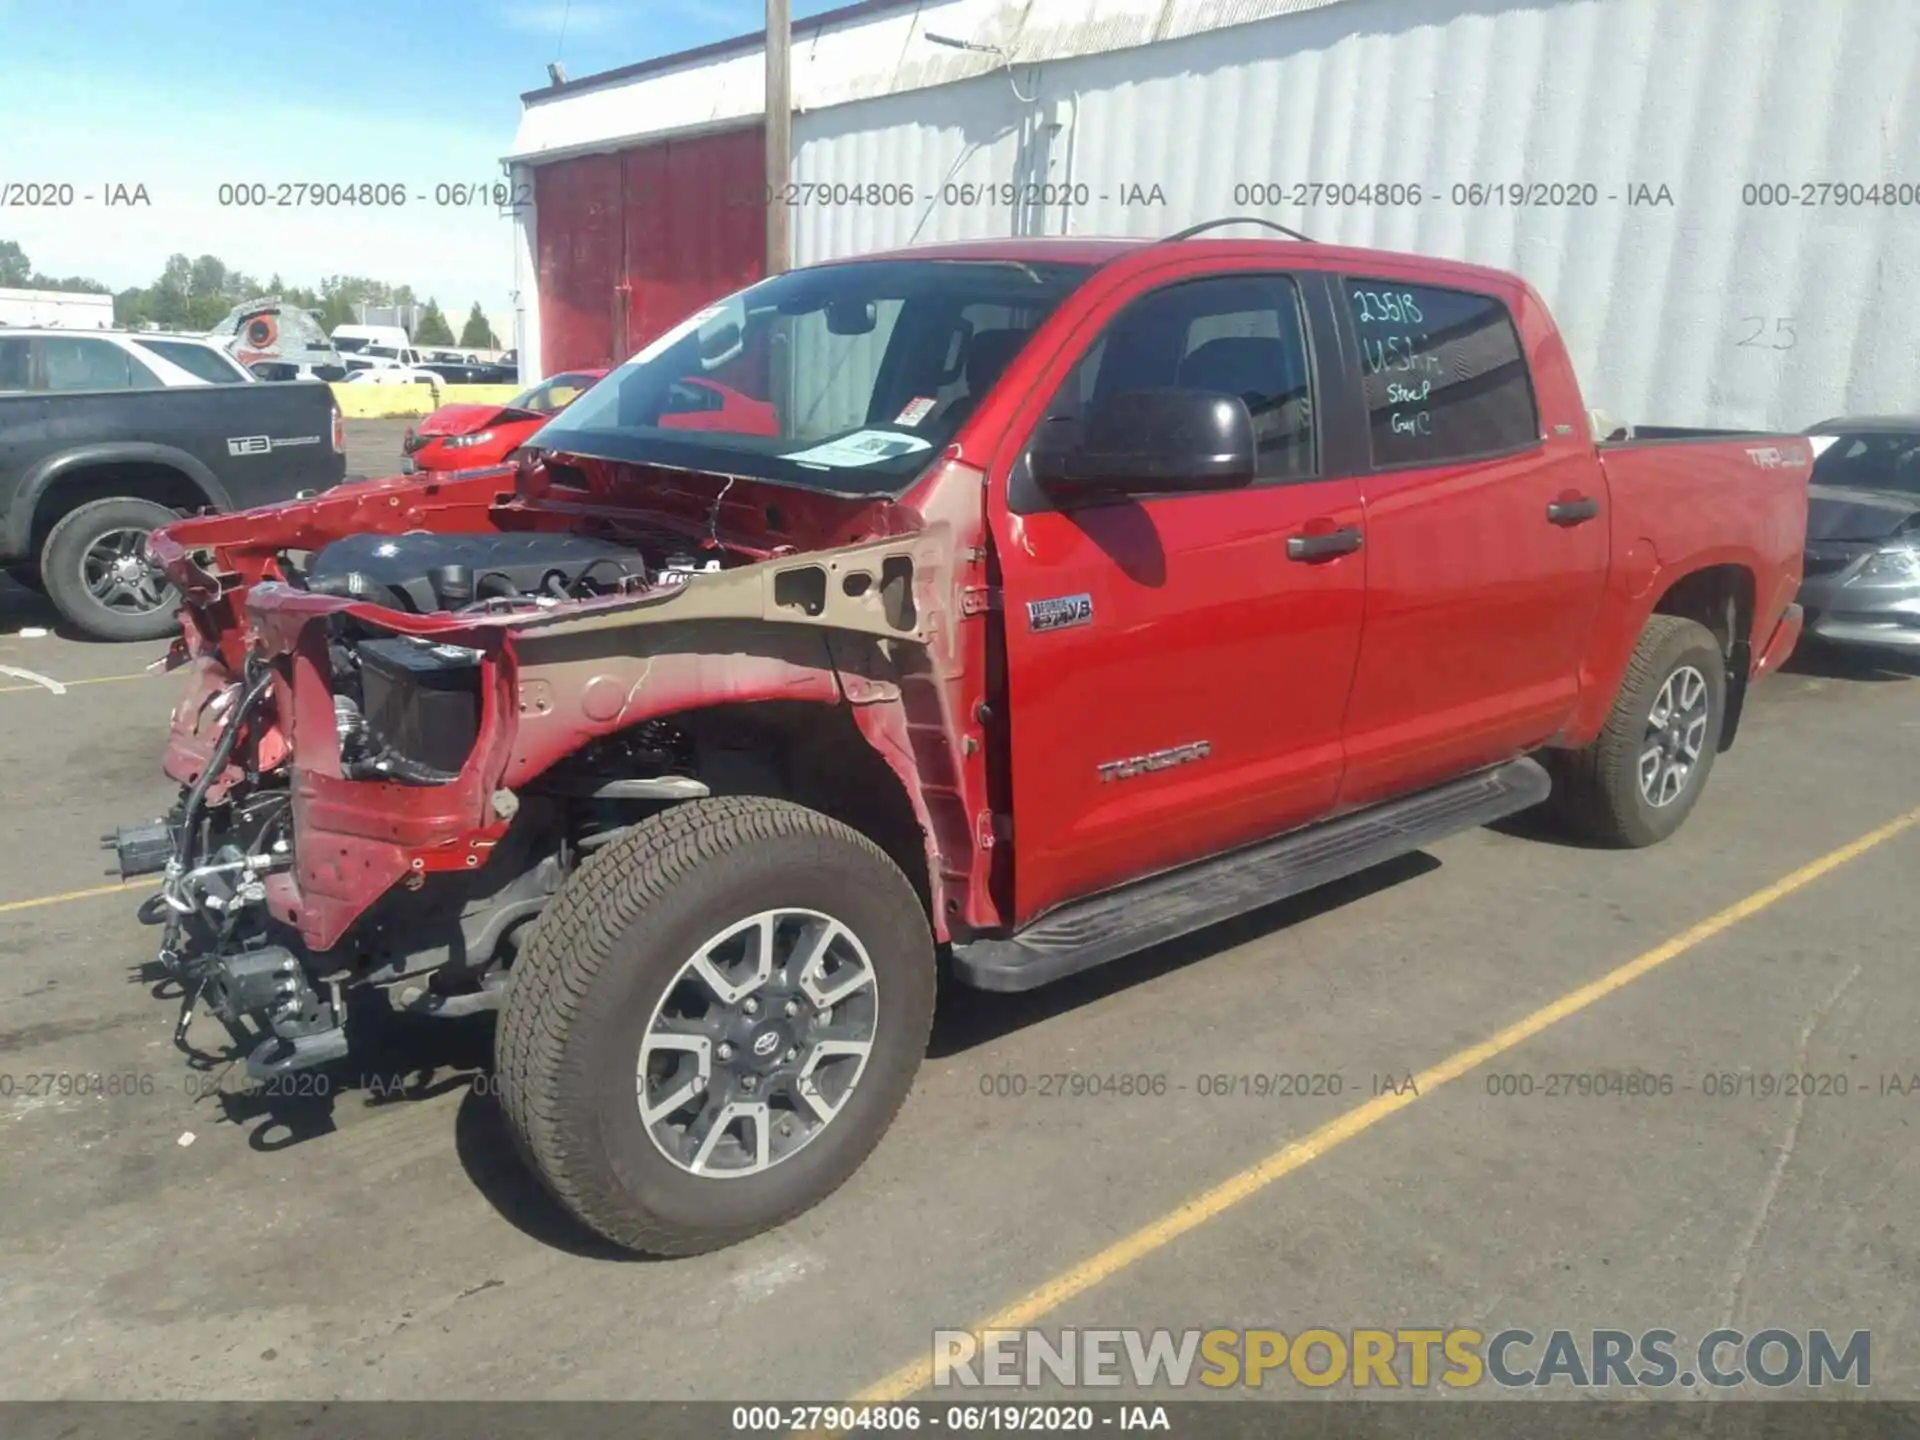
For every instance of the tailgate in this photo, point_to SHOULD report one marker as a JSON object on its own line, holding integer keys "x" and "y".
{"x": 274, "y": 440}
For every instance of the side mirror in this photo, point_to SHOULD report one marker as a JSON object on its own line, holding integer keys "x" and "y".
{"x": 1147, "y": 442}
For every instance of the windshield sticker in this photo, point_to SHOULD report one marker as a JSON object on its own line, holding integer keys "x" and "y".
{"x": 863, "y": 447}
{"x": 917, "y": 410}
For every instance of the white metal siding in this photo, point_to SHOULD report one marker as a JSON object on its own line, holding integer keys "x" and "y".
{"x": 1701, "y": 96}
{"x": 884, "y": 52}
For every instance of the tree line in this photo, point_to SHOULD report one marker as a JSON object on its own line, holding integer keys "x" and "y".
{"x": 195, "y": 295}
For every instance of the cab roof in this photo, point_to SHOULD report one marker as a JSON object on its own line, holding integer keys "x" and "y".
{"x": 71, "y": 332}
{"x": 1105, "y": 250}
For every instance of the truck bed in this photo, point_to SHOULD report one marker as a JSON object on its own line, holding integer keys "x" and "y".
{"x": 240, "y": 445}
{"x": 1712, "y": 501}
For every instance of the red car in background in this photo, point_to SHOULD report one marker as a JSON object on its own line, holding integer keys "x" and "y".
{"x": 468, "y": 437}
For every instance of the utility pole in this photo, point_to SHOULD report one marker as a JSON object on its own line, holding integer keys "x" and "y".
{"x": 779, "y": 136}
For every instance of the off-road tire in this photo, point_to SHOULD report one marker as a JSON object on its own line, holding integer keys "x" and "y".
{"x": 1596, "y": 790}
{"x": 604, "y": 951}
{"x": 65, "y": 586}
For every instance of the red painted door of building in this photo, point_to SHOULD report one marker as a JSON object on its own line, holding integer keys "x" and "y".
{"x": 632, "y": 243}
{"x": 580, "y": 247}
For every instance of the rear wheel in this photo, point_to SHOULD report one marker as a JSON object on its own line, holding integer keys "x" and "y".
{"x": 714, "y": 1023}
{"x": 1639, "y": 780}
{"x": 95, "y": 573}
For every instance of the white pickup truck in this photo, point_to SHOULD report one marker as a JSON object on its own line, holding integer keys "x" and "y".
{"x": 376, "y": 347}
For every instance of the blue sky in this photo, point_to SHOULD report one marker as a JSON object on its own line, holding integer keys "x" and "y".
{"x": 180, "y": 95}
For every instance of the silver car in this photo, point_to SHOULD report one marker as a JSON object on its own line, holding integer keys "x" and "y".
{"x": 1862, "y": 576}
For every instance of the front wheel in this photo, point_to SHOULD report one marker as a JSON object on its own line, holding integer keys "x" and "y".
{"x": 96, "y": 574}
{"x": 1636, "y": 783}
{"x": 714, "y": 1022}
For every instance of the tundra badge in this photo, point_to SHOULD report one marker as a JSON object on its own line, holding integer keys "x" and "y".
{"x": 1060, "y": 612}
{"x": 1157, "y": 760}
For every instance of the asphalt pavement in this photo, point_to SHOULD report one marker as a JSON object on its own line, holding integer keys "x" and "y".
{"x": 373, "y": 446}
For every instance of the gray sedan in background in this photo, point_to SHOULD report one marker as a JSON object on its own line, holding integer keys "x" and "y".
{"x": 1862, "y": 576}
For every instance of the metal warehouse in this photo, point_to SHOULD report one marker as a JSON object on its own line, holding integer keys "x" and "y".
{"x": 1720, "y": 199}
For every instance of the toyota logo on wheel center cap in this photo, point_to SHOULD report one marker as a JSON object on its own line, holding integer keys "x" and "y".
{"x": 766, "y": 1043}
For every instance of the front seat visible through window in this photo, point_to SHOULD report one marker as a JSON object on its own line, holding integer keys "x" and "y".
{"x": 988, "y": 355}
{"x": 1227, "y": 363}
{"x": 1281, "y": 424}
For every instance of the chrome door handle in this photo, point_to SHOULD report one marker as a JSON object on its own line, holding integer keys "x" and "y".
{"x": 1327, "y": 546}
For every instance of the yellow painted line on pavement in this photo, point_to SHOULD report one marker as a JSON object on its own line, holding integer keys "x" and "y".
{"x": 67, "y": 895}
{"x": 910, "y": 1379}
{"x": 96, "y": 680}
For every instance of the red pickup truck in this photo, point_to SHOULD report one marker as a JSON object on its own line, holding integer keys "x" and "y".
{"x": 1084, "y": 594}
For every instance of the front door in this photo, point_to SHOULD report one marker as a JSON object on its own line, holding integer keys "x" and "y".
{"x": 1176, "y": 678}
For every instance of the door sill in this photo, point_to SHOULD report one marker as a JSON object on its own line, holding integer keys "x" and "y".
{"x": 1164, "y": 907}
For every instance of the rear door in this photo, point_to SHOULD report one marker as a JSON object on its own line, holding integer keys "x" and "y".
{"x": 1487, "y": 539}
{"x": 1176, "y": 681}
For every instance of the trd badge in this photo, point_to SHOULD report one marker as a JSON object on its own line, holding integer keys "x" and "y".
{"x": 1060, "y": 612}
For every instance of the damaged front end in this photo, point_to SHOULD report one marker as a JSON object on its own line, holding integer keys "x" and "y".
{"x": 283, "y": 646}
{"x": 412, "y": 710}
{"x": 215, "y": 852}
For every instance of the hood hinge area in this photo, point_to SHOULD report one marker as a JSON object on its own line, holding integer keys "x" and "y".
{"x": 979, "y": 599}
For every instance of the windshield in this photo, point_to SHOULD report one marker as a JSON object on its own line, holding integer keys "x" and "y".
{"x": 1889, "y": 461}
{"x": 552, "y": 396}
{"x": 349, "y": 344}
{"x": 845, "y": 378}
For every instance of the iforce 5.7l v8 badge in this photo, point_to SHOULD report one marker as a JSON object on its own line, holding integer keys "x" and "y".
{"x": 1060, "y": 612}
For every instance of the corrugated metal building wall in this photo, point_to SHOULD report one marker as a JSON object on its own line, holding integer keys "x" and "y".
{"x": 1721, "y": 197}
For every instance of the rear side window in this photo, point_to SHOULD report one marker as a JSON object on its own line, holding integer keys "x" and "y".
{"x": 92, "y": 365}
{"x": 196, "y": 360}
{"x": 1443, "y": 372}
{"x": 14, "y": 371}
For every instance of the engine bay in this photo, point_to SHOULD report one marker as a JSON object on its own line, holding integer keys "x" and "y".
{"x": 407, "y": 709}
{"x": 460, "y": 573}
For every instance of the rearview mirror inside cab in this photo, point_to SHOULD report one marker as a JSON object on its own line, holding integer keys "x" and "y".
{"x": 1146, "y": 442}
{"x": 721, "y": 344}
{"x": 852, "y": 317}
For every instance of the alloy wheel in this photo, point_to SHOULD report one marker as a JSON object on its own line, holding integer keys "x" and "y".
{"x": 1676, "y": 734}
{"x": 115, "y": 570}
{"x": 757, "y": 1043}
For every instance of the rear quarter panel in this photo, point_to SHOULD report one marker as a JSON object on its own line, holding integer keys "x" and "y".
{"x": 1680, "y": 506}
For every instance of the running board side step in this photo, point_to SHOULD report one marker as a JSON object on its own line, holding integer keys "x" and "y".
{"x": 1164, "y": 907}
